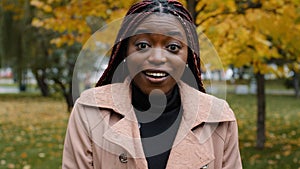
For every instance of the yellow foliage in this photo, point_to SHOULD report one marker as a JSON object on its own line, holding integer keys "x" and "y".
{"x": 37, "y": 22}
{"x": 47, "y": 8}
{"x": 250, "y": 38}
{"x": 70, "y": 19}
{"x": 57, "y": 41}
{"x": 255, "y": 37}
{"x": 37, "y": 3}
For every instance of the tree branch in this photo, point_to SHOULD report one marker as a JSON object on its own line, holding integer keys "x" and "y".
{"x": 238, "y": 11}
{"x": 214, "y": 16}
{"x": 201, "y": 9}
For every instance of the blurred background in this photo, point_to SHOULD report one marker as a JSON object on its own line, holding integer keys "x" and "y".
{"x": 257, "y": 41}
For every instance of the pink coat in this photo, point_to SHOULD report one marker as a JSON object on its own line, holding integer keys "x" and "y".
{"x": 103, "y": 132}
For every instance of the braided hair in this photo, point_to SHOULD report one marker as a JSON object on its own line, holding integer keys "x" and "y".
{"x": 135, "y": 15}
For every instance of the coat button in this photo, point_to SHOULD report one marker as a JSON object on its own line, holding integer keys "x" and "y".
{"x": 123, "y": 158}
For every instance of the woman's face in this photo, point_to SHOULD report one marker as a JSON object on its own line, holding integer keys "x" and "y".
{"x": 157, "y": 53}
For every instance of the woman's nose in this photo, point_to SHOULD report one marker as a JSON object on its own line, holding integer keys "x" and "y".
{"x": 157, "y": 56}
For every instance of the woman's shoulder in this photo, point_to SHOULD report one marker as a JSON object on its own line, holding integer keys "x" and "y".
{"x": 100, "y": 95}
{"x": 218, "y": 108}
{"x": 210, "y": 107}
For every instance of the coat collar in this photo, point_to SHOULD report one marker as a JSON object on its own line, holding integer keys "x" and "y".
{"x": 198, "y": 107}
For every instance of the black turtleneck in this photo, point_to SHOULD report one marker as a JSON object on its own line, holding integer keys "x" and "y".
{"x": 159, "y": 122}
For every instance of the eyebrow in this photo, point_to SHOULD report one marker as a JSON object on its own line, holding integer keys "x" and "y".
{"x": 170, "y": 33}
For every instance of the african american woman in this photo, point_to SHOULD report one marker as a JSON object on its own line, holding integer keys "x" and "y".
{"x": 149, "y": 109}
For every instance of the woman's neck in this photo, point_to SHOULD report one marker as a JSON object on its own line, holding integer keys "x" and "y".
{"x": 143, "y": 102}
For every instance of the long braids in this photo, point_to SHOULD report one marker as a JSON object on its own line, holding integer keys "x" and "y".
{"x": 135, "y": 15}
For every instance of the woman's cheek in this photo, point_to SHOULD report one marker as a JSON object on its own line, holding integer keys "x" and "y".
{"x": 134, "y": 64}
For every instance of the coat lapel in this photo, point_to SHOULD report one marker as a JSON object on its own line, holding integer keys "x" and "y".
{"x": 203, "y": 112}
{"x": 125, "y": 131}
{"x": 187, "y": 149}
{"x": 188, "y": 153}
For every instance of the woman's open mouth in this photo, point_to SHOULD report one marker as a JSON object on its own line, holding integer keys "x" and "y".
{"x": 155, "y": 76}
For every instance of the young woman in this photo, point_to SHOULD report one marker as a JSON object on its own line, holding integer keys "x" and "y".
{"x": 149, "y": 109}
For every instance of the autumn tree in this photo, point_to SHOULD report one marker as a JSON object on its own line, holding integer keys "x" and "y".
{"x": 254, "y": 34}
{"x": 24, "y": 46}
{"x": 73, "y": 22}
{"x": 14, "y": 30}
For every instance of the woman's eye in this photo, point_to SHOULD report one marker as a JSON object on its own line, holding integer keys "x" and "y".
{"x": 142, "y": 46}
{"x": 173, "y": 48}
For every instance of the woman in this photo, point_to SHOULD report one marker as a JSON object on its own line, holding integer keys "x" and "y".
{"x": 149, "y": 109}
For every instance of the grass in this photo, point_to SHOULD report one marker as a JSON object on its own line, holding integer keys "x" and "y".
{"x": 32, "y": 131}
{"x": 282, "y": 148}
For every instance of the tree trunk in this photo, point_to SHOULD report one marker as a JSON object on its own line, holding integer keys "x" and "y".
{"x": 74, "y": 83}
{"x": 191, "y": 6}
{"x": 296, "y": 84}
{"x": 67, "y": 92}
{"x": 241, "y": 72}
{"x": 41, "y": 81}
{"x": 73, "y": 92}
{"x": 261, "y": 108}
{"x": 21, "y": 64}
{"x": 69, "y": 100}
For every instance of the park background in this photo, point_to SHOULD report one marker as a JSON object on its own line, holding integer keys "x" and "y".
{"x": 257, "y": 42}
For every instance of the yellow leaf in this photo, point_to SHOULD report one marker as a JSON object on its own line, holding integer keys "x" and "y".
{"x": 37, "y": 23}
{"x": 37, "y": 3}
{"x": 24, "y": 155}
{"x": 47, "y": 8}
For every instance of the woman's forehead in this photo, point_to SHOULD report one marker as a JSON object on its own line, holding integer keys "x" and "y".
{"x": 164, "y": 24}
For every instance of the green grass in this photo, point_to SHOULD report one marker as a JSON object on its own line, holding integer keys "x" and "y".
{"x": 32, "y": 131}
{"x": 282, "y": 148}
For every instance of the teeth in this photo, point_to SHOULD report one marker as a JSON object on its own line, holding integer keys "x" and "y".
{"x": 156, "y": 74}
